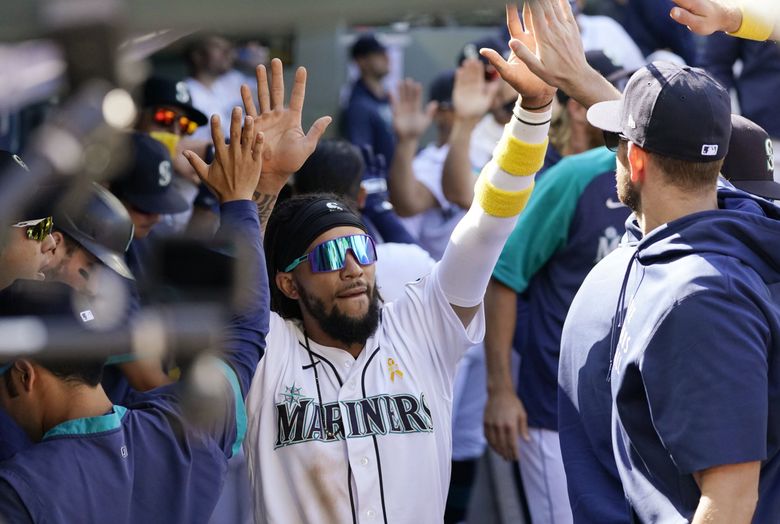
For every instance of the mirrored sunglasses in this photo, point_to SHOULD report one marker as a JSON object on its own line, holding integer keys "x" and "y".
{"x": 331, "y": 255}
{"x": 168, "y": 117}
{"x": 37, "y": 229}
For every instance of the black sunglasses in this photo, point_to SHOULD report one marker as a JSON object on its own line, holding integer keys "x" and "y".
{"x": 613, "y": 140}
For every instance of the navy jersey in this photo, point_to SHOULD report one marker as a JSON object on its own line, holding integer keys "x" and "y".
{"x": 145, "y": 462}
{"x": 572, "y": 221}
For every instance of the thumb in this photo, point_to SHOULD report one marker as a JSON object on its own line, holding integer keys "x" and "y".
{"x": 200, "y": 167}
{"x": 431, "y": 108}
{"x": 496, "y": 60}
{"x": 317, "y": 129}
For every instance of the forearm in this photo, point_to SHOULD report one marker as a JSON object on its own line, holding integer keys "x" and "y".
{"x": 729, "y": 493}
{"x": 265, "y": 203}
{"x": 244, "y": 339}
{"x": 502, "y": 192}
{"x": 457, "y": 176}
{"x": 589, "y": 88}
{"x": 407, "y": 194}
{"x": 501, "y": 319}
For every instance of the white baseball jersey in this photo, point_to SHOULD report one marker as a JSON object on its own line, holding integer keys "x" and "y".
{"x": 333, "y": 439}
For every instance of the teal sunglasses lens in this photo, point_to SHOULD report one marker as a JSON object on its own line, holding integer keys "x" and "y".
{"x": 331, "y": 255}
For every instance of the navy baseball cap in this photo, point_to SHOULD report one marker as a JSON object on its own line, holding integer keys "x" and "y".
{"x": 750, "y": 164}
{"x": 471, "y": 50}
{"x": 101, "y": 226}
{"x": 441, "y": 88}
{"x": 675, "y": 111}
{"x": 366, "y": 45}
{"x": 159, "y": 91}
{"x": 146, "y": 180}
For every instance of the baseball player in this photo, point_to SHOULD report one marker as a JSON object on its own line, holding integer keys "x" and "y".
{"x": 349, "y": 411}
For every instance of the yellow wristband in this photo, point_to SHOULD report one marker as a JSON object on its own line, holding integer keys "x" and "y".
{"x": 519, "y": 158}
{"x": 499, "y": 202}
{"x": 755, "y": 26}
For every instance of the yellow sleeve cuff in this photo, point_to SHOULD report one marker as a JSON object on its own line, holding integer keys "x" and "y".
{"x": 519, "y": 158}
{"x": 499, "y": 202}
{"x": 755, "y": 26}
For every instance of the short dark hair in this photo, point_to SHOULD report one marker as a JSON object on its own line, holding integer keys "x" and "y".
{"x": 686, "y": 175}
{"x": 81, "y": 371}
{"x": 275, "y": 232}
{"x": 336, "y": 166}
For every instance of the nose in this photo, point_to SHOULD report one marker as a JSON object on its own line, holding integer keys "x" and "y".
{"x": 352, "y": 269}
{"x": 48, "y": 244}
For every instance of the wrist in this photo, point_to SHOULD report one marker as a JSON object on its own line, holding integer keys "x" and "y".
{"x": 500, "y": 386}
{"x": 467, "y": 121}
{"x": 540, "y": 104}
{"x": 732, "y": 19}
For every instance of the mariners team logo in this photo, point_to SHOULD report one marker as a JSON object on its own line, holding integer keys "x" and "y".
{"x": 301, "y": 419}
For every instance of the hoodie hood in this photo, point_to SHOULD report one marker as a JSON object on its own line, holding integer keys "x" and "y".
{"x": 745, "y": 227}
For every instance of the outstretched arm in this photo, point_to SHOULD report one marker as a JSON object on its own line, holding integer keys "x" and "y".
{"x": 286, "y": 147}
{"x": 503, "y": 188}
{"x": 472, "y": 97}
{"x": 408, "y": 195}
{"x": 749, "y": 19}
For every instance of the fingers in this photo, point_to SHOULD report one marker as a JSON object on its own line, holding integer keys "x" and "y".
{"x": 218, "y": 138}
{"x": 513, "y": 21}
{"x": 526, "y": 56}
{"x": 298, "y": 91}
{"x": 694, "y": 22}
{"x": 248, "y": 137}
{"x": 430, "y": 109}
{"x": 523, "y": 428}
{"x": 496, "y": 60}
{"x": 263, "y": 95}
{"x": 277, "y": 84}
{"x": 235, "y": 127}
{"x": 257, "y": 148}
{"x": 248, "y": 100}
{"x": 201, "y": 168}
{"x": 539, "y": 22}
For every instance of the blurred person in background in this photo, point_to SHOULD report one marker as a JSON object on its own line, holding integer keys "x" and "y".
{"x": 606, "y": 34}
{"x": 756, "y": 83}
{"x": 750, "y": 164}
{"x": 366, "y": 122}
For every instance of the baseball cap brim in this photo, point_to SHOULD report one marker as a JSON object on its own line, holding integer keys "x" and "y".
{"x": 111, "y": 259}
{"x": 606, "y": 116}
{"x": 168, "y": 203}
{"x": 762, "y": 188}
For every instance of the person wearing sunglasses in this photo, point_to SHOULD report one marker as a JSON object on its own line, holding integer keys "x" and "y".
{"x": 26, "y": 246}
{"x": 350, "y": 409}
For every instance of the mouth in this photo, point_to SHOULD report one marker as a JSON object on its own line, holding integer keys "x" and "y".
{"x": 353, "y": 292}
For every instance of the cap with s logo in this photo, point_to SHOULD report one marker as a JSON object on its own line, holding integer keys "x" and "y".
{"x": 159, "y": 91}
{"x": 750, "y": 164}
{"x": 146, "y": 181}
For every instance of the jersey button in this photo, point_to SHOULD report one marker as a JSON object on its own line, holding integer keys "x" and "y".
{"x": 371, "y": 513}
{"x": 364, "y": 461}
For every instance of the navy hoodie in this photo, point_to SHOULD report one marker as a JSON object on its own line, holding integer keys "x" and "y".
{"x": 691, "y": 314}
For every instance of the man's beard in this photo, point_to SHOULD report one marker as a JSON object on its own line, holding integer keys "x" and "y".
{"x": 340, "y": 326}
{"x": 627, "y": 192}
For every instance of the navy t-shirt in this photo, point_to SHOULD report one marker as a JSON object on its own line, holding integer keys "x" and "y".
{"x": 145, "y": 462}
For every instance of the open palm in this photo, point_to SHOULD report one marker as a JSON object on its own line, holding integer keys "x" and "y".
{"x": 472, "y": 96}
{"x": 286, "y": 146}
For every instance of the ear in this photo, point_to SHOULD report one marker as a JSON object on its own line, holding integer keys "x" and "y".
{"x": 58, "y": 238}
{"x": 286, "y": 284}
{"x": 361, "y": 197}
{"x": 27, "y": 374}
{"x": 637, "y": 159}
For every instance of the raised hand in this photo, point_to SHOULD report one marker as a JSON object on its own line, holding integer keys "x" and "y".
{"x": 517, "y": 72}
{"x": 705, "y": 17}
{"x": 235, "y": 172}
{"x": 286, "y": 146}
{"x": 410, "y": 119}
{"x": 472, "y": 95}
{"x": 505, "y": 420}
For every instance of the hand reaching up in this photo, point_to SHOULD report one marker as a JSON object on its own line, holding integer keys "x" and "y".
{"x": 236, "y": 169}
{"x": 517, "y": 71}
{"x": 705, "y": 17}
{"x": 472, "y": 95}
{"x": 286, "y": 147}
{"x": 410, "y": 119}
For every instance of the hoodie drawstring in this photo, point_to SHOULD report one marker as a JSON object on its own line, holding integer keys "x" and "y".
{"x": 619, "y": 316}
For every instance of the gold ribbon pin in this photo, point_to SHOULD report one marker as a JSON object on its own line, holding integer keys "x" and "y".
{"x": 393, "y": 368}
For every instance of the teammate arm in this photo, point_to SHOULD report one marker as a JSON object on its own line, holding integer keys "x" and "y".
{"x": 285, "y": 147}
{"x": 503, "y": 188}
{"x": 471, "y": 100}
{"x": 408, "y": 195}
{"x": 729, "y": 494}
{"x": 748, "y": 19}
